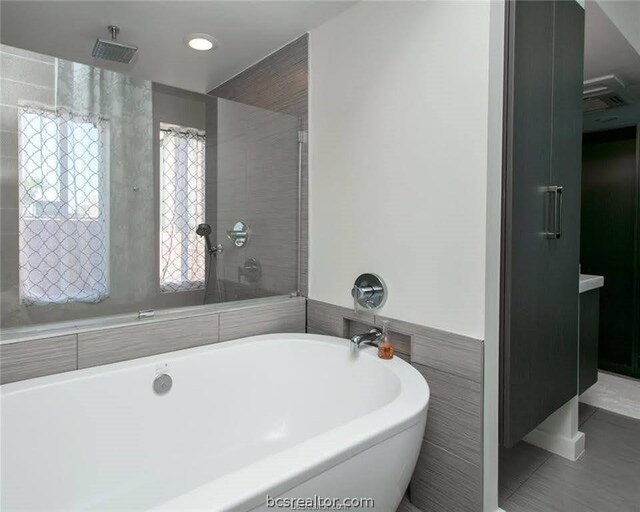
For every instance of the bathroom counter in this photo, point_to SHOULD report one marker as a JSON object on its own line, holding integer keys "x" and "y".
{"x": 589, "y": 330}
{"x": 589, "y": 282}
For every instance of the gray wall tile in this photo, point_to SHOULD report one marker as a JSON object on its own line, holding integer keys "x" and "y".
{"x": 39, "y": 57}
{"x": 448, "y": 352}
{"x": 30, "y": 359}
{"x": 13, "y": 93}
{"x": 9, "y": 222}
{"x": 404, "y": 357}
{"x": 123, "y": 343}
{"x": 286, "y": 316}
{"x": 24, "y": 360}
{"x": 443, "y": 482}
{"x": 8, "y": 182}
{"x": 257, "y": 161}
{"x": 8, "y": 117}
{"x": 36, "y": 72}
{"x": 9, "y": 144}
{"x": 455, "y": 414}
{"x": 324, "y": 318}
{"x": 278, "y": 83}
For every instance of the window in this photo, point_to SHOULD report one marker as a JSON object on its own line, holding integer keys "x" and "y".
{"x": 63, "y": 207}
{"x": 182, "y": 182}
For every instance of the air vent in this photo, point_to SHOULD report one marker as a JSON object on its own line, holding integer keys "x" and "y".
{"x": 603, "y": 93}
{"x": 615, "y": 100}
{"x": 602, "y": 102}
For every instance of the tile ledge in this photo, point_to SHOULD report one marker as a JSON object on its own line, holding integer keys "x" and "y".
{"x": 42, "y": 331}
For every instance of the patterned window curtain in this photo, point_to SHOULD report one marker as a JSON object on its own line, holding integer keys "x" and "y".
{"x": 182, "y": 185}
{"x": 63, "y": 230}
{"x": 127, "y": 104}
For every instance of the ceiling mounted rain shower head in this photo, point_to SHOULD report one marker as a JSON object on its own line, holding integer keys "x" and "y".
{"x": 113, "y": 50}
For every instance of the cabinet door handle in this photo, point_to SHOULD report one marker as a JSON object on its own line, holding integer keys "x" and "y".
{"x": 558, "y": 212}
{"x": 555, "y": 219}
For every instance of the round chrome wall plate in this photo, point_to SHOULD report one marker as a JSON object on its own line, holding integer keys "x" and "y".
{"x": 239, "y": 234}
{"x": 369, "y": 292}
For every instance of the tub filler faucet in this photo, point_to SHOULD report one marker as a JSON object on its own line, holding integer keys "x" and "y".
{"x": 373, "y": 337}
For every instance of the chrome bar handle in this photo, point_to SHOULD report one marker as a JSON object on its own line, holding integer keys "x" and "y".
{"x": 555, "y": 230}
{"x": 558, "y": 212}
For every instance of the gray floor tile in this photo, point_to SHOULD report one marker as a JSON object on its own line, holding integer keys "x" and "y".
{"x": 406, "y": 506}
{"x": 585, "y": 411}
{"x": 605, "y": 479}
{"x": 517, "y": 464}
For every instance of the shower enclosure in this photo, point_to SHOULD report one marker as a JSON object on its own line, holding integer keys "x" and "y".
{"x": 106, "y": 178}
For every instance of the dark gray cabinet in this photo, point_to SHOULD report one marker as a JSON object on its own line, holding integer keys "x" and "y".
{"x": 541, "y": 213}
{"x": 589, "y": 327}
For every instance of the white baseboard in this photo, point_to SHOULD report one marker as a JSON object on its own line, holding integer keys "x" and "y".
{"x": 568, "y": 447}
{"x": 559, "y": 433}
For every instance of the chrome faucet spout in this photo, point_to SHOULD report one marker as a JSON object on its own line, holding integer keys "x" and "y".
{"x": 372, "y": 337}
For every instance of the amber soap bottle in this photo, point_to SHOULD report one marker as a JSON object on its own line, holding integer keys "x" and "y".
{"x": 385, "y": 348}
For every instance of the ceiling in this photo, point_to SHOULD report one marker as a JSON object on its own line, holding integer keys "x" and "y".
{"x": 247, "y": 31}
{"x": 607, "y": 52}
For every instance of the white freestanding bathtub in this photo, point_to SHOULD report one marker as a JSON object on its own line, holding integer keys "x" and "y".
{"x": 249, "y": 424}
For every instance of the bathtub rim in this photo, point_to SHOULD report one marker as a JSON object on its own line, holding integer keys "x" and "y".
{"x": 293, "y": 465}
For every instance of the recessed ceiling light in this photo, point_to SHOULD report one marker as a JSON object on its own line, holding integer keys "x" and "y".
{"x": 202, "y": 42}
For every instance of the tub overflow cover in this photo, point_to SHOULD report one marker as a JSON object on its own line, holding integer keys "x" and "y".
{"x": 162, "y": 384}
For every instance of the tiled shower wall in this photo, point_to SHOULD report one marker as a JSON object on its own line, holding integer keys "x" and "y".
{"x": 279, "y": 83}
{"x": 257, "y": 182}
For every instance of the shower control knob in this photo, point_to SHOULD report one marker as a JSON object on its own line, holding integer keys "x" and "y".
{"x": 369, "y": 292}
{"x": 365, "y": 292}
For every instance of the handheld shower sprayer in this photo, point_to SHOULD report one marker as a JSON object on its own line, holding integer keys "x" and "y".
{"x": 204, "y": 230}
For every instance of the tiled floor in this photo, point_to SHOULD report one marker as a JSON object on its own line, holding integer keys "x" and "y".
{"x": 605, "y": 479}
{"x": 615, "y": 393}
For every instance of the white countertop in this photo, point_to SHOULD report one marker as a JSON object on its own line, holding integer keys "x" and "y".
{"x": 589, "y": 282}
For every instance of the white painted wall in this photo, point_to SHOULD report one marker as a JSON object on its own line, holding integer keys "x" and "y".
{"x": 398, "y": 158}
{"x": 626, "y": 16}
